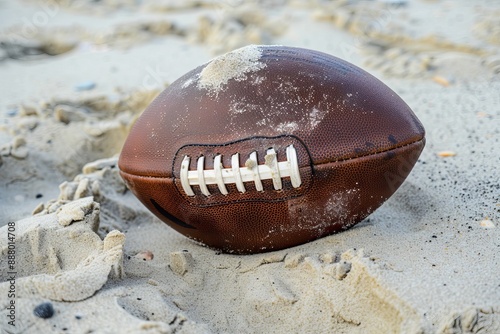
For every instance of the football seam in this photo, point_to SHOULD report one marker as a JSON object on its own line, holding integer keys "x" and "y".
{"x": 373, "y": 153}
{"x": 312, "y": 164}
{"x": 289, "y": 197}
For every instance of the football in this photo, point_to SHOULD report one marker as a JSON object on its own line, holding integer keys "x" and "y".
{"x": 269, "y": 147}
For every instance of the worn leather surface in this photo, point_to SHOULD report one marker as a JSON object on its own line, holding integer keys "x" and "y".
{"x": 358, "y": 142}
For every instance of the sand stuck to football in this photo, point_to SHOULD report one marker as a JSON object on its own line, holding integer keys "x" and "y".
{"x": 81, "y": 254}
{"x": 233, "y": 65}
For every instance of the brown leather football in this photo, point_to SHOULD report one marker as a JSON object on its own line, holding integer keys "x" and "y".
{"x": 268, "y": 147}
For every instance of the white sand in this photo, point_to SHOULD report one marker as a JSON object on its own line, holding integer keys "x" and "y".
{"x": 233, "y": 65}
{"x": 427, "y": 261}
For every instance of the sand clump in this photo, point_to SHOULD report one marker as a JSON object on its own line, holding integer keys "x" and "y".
{"x": 235, "y": 65}
{"x": 235, "y": 27}
{"x": 398, "y": 49}
{"x": 60, "y": 256}
{"x": 225, "y": 29}
{"x": 52, "y": 140}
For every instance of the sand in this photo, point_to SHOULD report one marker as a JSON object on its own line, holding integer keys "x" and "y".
{"x": 234, "y": 65}
{"x": 74, "y": 75}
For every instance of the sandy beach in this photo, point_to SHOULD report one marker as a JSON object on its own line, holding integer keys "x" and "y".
{"x": 80, "y": 254}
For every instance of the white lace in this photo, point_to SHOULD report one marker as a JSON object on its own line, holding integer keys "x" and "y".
{"x": 252, "y": 172}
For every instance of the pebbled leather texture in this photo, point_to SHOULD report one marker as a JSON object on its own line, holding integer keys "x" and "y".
{"x": 356, "y": 142}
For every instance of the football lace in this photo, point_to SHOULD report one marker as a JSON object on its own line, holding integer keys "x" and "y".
{"x": 272, "y": 169}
